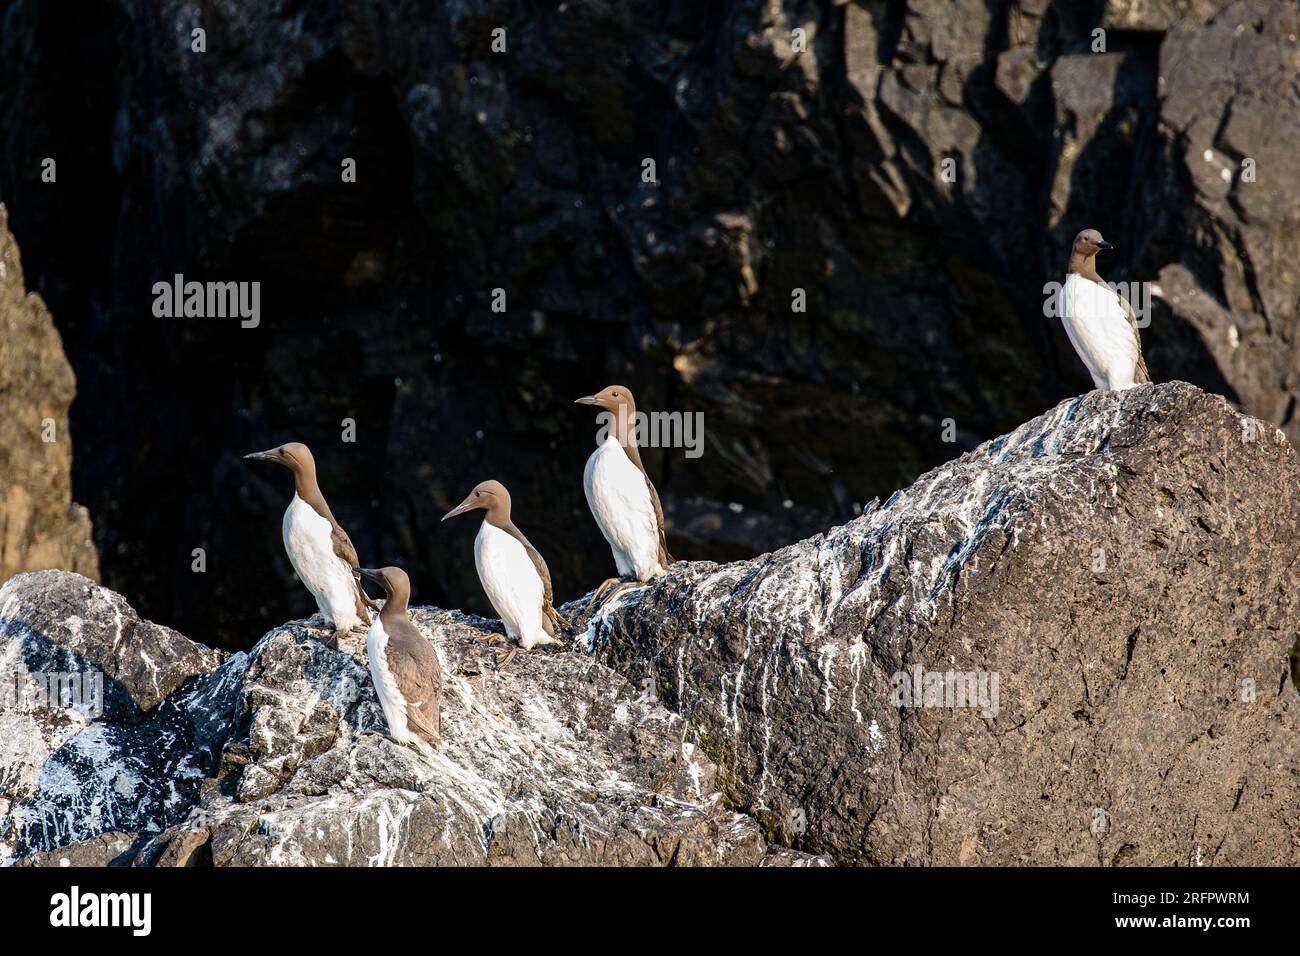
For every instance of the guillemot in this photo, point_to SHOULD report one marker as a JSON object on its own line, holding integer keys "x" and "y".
{"x": 511, "y": 570}
{"x": 1100, "y": 323}
{"x": 319, "y": 549}
{"x": 621, "y": 496}
{"x": 403, "y": 664}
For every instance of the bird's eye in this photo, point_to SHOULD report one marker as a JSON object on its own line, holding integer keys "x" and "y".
{"x": 478, "y": 494}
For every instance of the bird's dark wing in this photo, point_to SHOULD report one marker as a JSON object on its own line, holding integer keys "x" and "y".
{"x": 1141, "y": 375}
{"x": 415, "y": 666}
{"x": 549, "y": 614}
{"x": 634, "y": 454}
{"x": 343, "y": 547}
{"x": 665, "y": 558}
{"x": 348, "y": 554}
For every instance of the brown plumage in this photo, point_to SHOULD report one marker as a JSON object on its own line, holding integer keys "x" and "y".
{"x": 298, "y": 458}
{"x": 618, "y": 400}
{"x": 1083, "y": 261}
{"x": 493, "y": 498}
{"x": 551, "y": 617}
{"x": 629, "y": 446}
{"x": 410, "y": 659}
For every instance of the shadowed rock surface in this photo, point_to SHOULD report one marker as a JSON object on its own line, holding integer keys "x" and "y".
{"x": 40, "y": 527}
{"x": 1126, "y": 565}
{"x": 783, "y": 161}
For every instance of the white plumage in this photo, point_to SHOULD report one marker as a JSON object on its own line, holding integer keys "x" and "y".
{"x": 390, "y": 697}
{"x": 620, "y": 502}
{"x": 1098, "y": 327}
{"x": 308, "y": 540}
{"x": 512, "y": 584}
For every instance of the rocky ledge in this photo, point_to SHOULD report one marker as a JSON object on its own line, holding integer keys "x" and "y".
{"x": 277, "y": 756}
{"x": 1069, "y": 646}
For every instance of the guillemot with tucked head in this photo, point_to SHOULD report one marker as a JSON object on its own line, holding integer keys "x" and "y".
{"x": 319, "y": 549}
{"x": 403, "y": 664}
{"x": 1100, "y": 323}
{"x": 511, "y": 570}
{"x": 621, "y": 496}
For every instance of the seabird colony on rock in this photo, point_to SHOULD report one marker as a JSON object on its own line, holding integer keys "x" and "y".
{"x": 404, "y": 663}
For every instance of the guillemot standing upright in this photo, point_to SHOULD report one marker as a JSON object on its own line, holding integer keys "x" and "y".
{"x": 319, "y": 549}
{"x": 511, "y": 570}
{"x": 621, "y": 496}
{"x": 403, "y": 664}
{"x": 1100, "y": 323}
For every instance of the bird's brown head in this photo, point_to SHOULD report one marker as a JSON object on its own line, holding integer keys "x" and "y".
{"x": 393, "y": 580}
{"x": 612, "y": 399}
{"x": 1089, "y": 242}
{"x": 294, "y": 455}
{"x": 491, "y": 496}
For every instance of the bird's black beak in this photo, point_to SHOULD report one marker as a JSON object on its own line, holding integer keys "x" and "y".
{"x": 1104, "y": 245}
{"x": 460, "y": 509}
{"x": 586, "y": 400}
{"x": 263, "y": 456}
{"x": 370, "y": 574}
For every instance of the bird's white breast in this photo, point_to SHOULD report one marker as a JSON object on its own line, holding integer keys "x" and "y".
{"x": 512, "y": 583}
{"x": 620, "y": 502}
{"x": 1098, "y": 327}
{"x": 308, "y": 541}
{"x": 390, "y": 695}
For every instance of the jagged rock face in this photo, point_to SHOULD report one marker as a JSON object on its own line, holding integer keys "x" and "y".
{"x": 267, "y": 758}
{"x": 1126, "y": 565}
{"x": 553, "y": 761}
{"x": 131, "y": 755}
{"x": 1116, "y": 577}
{"x": 777, "y": 170}
{"x": 40, "y": 527}
{"x": 78, "y": 624}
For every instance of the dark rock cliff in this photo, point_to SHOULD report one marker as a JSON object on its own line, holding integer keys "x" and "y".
{"x": 1124, "y": 567}
{"x": 784, "y": 161}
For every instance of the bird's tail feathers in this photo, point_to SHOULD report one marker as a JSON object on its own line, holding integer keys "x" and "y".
{"x": 428, "y": 731}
